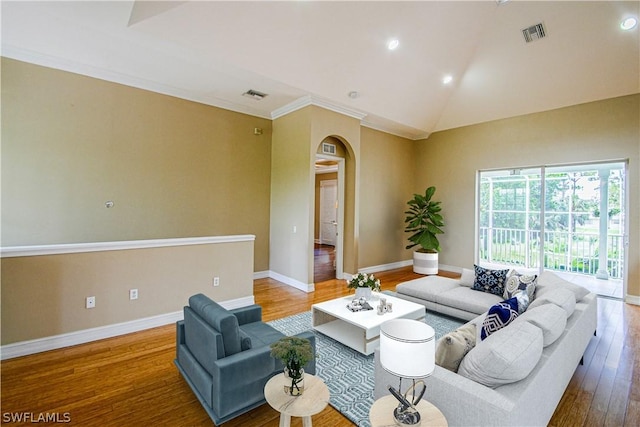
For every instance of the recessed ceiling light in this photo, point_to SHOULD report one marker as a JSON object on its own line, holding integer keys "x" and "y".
{"x": 393, "y": 44}
{"x": 629, "y": 23}
{"x": 447, "y": 79}
{"x": 353, "y": 94}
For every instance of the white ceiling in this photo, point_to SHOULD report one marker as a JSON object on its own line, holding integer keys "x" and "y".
{"x": 316, "y": 52}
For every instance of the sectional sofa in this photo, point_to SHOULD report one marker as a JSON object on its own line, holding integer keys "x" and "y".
{"x": 517, "y": 375}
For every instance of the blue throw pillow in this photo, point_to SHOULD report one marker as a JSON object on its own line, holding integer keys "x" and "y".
{"x": 499, "y": 316}
{"x": 491, "y": 281}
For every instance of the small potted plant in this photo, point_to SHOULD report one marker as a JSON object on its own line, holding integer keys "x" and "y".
{"x": 423, "y": 222}
{"x": 294, "y": 353}
{"x": 364, "y": 284}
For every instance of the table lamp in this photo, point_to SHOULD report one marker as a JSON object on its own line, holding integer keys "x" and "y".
{"x": 407, "y": 350}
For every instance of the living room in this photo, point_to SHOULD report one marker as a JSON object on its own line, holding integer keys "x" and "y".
{"x": 177, "y": 169}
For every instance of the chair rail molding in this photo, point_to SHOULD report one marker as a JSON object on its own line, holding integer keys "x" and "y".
{"x": 69, "y": 248}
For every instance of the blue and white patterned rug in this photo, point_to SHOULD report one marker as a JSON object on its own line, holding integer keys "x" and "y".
{"x": 348, "y": 374}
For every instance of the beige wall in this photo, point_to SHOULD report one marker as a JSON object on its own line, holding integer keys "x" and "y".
{"x": 605, "y": 130}
{"x": 387, "y": 174}
{"x": 173, "y": 168}
{"x": 291, "y": 196}
{"x": 43, "y": 296}
{"x": 295, "y": 142}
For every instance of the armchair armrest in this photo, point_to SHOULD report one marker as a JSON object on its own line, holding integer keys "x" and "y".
{"x": 248, "y": 314}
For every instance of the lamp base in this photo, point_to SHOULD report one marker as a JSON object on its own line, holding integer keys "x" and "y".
{"x": 406, "y": 417}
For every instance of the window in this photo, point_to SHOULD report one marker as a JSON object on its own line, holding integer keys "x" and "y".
{"x": 579, "y": 228}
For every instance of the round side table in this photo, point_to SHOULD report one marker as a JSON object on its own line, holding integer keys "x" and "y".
{"x": 314, "y": 399}
{"x": 381, "y": 413}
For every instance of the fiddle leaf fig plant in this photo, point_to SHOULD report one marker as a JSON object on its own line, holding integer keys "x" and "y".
{"x": 424, "y": 221}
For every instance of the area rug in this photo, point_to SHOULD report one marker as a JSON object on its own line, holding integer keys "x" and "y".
{"x": 348, "y": 374}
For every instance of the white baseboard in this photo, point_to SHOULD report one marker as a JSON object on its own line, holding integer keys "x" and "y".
{"x": 306, "y": 287}
{"x": 632, "y": 299}
{"x": 260, "y": 274}
{"x": 385, "y": 267}
{"x": 25, "y": 348}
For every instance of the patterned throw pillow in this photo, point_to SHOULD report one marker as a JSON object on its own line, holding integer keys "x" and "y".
{"x": 517, "y": 282}
{"x": 491, "y": 281}
{"x": 523, "y": 301}
{"x": 454, "y": 346}
{"x": 499, "y": 316}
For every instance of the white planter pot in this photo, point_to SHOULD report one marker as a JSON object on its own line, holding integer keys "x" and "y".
{"x": 363, "y": 292}
{"x": 425, "y": 262}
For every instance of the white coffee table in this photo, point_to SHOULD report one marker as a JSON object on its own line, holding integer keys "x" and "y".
{"x": 360, "y": 330}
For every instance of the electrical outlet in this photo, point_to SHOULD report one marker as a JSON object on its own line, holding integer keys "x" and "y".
{"x": 216, "y": 281}
{"x": 91, "y": 302}
{"x": 133, "y": 294}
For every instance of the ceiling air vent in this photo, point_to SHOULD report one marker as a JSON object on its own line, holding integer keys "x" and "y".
{"x": 534, "y": 32}
{"x": 254, "y": 94}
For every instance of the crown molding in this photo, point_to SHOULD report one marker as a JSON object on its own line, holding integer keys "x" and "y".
{"x": 403, "y": 134}
{"x": 318, "y": 102}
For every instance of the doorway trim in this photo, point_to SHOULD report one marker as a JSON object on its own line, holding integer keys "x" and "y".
{"x": 340, "y": 227}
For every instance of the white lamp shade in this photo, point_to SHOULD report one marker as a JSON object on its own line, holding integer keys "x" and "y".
{"x": 407, "y": 348}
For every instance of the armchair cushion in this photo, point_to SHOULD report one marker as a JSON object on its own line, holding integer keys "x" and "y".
{"x": 220, "y": 319}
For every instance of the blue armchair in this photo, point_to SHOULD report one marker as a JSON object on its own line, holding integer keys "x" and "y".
{"x": 224, "y": 355}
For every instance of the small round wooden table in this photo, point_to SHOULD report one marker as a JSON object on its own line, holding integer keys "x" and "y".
{"x": 313, "y": 400}
{"x": 381, "y": 413}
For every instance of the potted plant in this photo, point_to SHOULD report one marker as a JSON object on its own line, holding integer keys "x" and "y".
{"x": 364, "y": 284}
{"x": 423, "y": 222}
{"x": 294, "y": 353}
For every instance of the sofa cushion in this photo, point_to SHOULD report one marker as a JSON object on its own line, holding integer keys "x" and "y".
{"x": 452, "y": 347}
{"x": 468, "y": 300}
{"x": 427, "y": 288}
{"x": 220, "y": 319}
{"x": 499, "y": 316}
{"x": 467, "y": 277}
{"x": 548, "y": 281}
{"x": 506, "y": 356}
{"x": 517, "y": 282}
{"x": 491, "y": 281}
{"x": 558, "y": 296}
{"x": 550, "y": 318}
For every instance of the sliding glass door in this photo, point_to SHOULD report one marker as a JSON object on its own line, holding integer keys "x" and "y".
{"x": 579, "y": 228}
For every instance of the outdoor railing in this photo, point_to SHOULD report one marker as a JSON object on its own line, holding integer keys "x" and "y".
{"x": 563, "y": 251}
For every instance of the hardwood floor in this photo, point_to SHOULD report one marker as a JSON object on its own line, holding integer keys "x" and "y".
{"x": 324, "y": 268}
{"x": 131, "y": 380}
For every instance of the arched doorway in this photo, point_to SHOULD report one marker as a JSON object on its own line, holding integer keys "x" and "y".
{"x": 329, "y": 210}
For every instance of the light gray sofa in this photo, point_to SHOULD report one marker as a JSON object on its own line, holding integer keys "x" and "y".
{"x": 453, "y": 297}
{"x": 545, "y": 344}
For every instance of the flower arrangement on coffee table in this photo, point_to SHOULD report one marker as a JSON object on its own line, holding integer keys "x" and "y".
{"x": 363, "y": 280}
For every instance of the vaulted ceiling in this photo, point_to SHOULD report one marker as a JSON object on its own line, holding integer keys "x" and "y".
{"x": 335, "y": 54}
